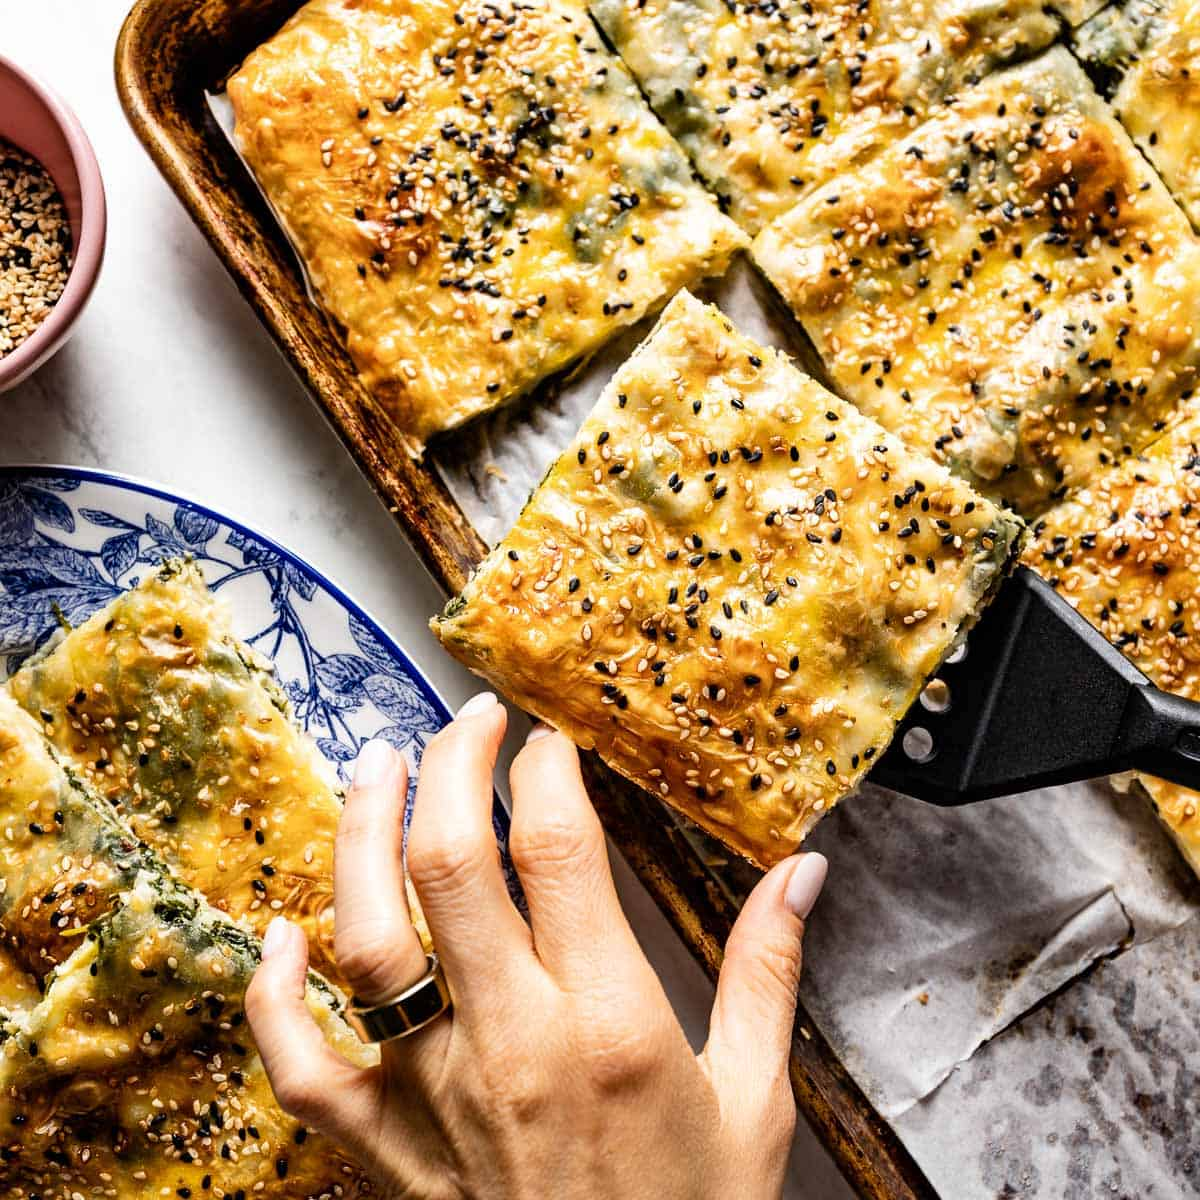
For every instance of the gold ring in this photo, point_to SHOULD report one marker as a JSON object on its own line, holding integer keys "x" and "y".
{"x": 413, "y": 1009}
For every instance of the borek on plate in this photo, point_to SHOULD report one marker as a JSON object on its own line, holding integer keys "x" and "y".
{"x": 131, "y": 1061}
{"x": 170, "y": 717}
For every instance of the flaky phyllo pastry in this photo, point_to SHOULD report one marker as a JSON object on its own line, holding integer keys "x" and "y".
{"x": 1148, "y": 51}
{"x": 731, "y": 584}
{"x": 770, "y": 100}
{"x": 183, "y": 728}
{"x": 1010, "y": 288}
{"x": 477, "y": 190}
{"x": 126, "y": 1067}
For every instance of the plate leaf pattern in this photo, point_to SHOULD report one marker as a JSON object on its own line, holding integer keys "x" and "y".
{"x": 70, "y": 545}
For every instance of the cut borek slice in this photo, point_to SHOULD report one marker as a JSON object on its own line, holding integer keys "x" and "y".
{"x": 731, "y": 585}
{"x": 1010, "y": 288}
{"x": 477, "y": 189}
{"x": 156, "y": 703}
{"x": 137, "y": 1065}
{"x": 1149, "y": 52}
{"x": 771, "y": 100}
{"x": 64, "y": 856}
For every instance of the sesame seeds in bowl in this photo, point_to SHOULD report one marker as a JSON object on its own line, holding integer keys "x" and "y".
{"x": 35, "y": 247}
{"x": 52, "y": 222}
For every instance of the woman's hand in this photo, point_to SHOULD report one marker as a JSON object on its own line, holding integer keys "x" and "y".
{"x": 561, "y": 1071}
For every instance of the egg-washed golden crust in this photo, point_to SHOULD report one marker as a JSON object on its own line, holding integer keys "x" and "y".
{"x": 731, "y": 584}
{"x": 1125, "y": 551}
{"x": 18, "y": 989}
{"x": 1154, "y": 47}
{"x": 477, "y": 189}
{"x": 158, "y": 705}
{"x": 63, "y": 859}
{"x": 771, "y": 99}
{"x": 19, "y": 993}
{"x": 1011, "y": 289}
{"x": 136, "y": 1075}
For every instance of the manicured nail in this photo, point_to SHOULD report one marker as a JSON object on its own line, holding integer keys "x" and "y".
{"x": 276, "y": 937}
{"x": 540, "y": 730}
{"x": 808, "y": 877}
{"x": 375, "y": 763}
{"x": 477, "y": 704}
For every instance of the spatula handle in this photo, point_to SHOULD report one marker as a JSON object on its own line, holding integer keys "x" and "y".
{"x": 1160, "y": 734}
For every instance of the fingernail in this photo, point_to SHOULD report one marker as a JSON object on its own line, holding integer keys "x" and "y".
{"x": 375, "y": 762}
{"x": 275, "y": 938}
{"x": 540, "y": 730}
{"x": 808, "y": 877}
{"x": 477, "y": 704}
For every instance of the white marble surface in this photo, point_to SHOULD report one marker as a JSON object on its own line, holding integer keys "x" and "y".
{"x": 170, "y": 377}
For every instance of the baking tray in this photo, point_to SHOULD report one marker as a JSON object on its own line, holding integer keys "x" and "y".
{"x": 169, "y": 55}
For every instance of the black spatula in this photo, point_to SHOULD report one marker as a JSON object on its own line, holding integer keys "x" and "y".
{"x": 1037, "y": 697}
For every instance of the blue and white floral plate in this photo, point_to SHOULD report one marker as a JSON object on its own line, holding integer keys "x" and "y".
{"x": 72, "y": 539}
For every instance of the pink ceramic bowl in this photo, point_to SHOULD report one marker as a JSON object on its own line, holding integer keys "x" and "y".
{"x": 34, "y": 119}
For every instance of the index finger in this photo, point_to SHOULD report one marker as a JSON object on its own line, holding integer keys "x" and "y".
{"x": 453, "y": 859}
{"x": 376, "y": 947}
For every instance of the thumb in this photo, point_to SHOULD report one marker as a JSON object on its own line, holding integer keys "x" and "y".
{"x": 750, "y": 1034}
{"x": 311, "y": 1081}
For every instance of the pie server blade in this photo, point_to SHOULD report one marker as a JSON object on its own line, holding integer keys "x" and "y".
{"x": 1036, "y": 697}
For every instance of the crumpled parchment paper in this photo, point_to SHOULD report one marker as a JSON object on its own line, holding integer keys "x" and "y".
{"x": 1095, "y": 1094}
{"x": 942, "y": 927}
